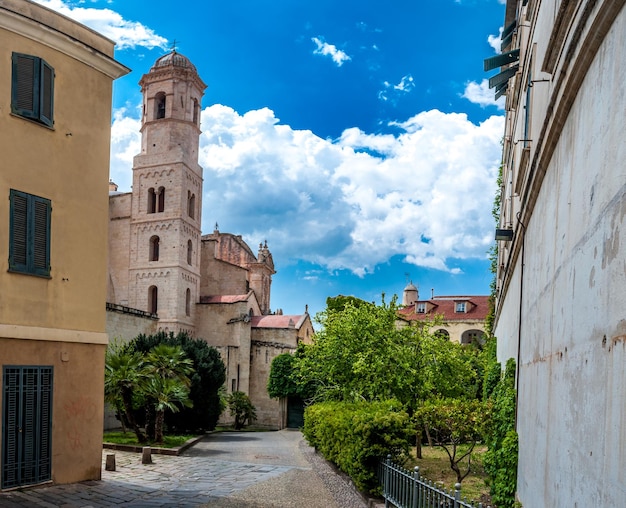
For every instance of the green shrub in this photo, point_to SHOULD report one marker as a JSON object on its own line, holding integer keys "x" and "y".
{"x": 356, "y": 435}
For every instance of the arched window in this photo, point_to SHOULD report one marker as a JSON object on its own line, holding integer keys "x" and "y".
{"x": 159, "y": 104}
{"x": 153, "y": 296}
{"x": 475, "y": 336}
{"x": 191, "y": 204}
{"x": 161, "y": 199}
{"x": 196, "y": 111}
{"x": 443, "y": 334}
{"x": 189, "y": 251}
{"x": 188, "y": 303}
{"x": 154, "y": 248}
{"x": 152, "y": 200}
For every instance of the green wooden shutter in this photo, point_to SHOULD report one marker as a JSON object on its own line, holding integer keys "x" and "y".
{"x": 29, "y": 235}
{"x": 18, "y": 237}
{"x": 47, "y": 93}
{"x": 41, "y": 236}
{"x": 32, "y": 93}
{"x": 24, "y": 96}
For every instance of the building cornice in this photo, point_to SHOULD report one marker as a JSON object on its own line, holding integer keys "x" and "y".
{"x": 22, "y": 332}
{"x": 41, "y": 33}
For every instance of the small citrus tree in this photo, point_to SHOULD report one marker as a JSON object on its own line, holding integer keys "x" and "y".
{"x": 242, "y": 409}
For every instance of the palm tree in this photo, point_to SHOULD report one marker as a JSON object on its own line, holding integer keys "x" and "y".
{"x": 166, "y": 393}
{"x": 168, "y": 368}
{"x": 124, "y": 375}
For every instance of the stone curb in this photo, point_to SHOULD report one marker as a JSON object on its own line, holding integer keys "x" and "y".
{"x": 155, "y": 449}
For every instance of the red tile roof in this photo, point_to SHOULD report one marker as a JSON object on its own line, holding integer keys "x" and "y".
{"x": 277, "y": 321}
{"x": 477, "y": 308}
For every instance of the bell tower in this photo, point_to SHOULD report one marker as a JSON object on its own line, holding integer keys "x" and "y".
{"x": 165, "y": 230}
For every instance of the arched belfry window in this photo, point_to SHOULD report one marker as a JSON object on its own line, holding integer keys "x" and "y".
{"x": 153, "y": 297}
{"x": 154, "y": 248}
{"x": 161, "y": 200}
{"x": 159, "y": 105}
{"x": 188, "y": 303}
{"x": 189, "y": 251}
{"x": 152, "y": 200}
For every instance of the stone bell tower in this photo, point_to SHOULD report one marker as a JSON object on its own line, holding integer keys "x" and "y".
{"x": 165, "y": 230}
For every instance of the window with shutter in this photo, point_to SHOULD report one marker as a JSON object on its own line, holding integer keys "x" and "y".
{"x": 29, "y": 235}
{"x": 32, "y": 94}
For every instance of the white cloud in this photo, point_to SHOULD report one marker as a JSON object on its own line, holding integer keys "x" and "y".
{"x": 127, "y": 34}
{"x": 425, "y": 195}
{"x": 480, "y": 93}
{"x": 323, "y": 48}
{"x": 495, "y": 41}
{"x": 125, "y": 144}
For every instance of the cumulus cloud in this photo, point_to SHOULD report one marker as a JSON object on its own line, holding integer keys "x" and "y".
{"x": 125, "y": 144}
{"x": 495, "y": 41}
{"x": 127, "y": 34}
{"x": 480, "y": 93}
{"x": 323, "y": 48}
{"x": 424, "y": 193}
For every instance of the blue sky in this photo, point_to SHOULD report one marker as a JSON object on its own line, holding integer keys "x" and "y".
{"x": 358, "y": 137}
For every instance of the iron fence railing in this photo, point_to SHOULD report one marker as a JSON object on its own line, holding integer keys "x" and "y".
{"x": 405, "y": 489}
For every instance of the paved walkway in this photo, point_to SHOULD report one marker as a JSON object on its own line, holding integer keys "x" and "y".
{"x": 229, "y": 470}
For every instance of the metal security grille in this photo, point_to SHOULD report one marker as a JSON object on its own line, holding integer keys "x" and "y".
{"x": 26, "y": 426}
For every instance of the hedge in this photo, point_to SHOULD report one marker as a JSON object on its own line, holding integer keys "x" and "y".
{"x": 356, "y": 435}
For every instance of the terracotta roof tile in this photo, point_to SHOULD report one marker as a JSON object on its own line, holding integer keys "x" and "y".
{"x": 277, "y": 321}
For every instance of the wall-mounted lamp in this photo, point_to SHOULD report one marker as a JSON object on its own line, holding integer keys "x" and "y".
{"x": 504, "y": 235}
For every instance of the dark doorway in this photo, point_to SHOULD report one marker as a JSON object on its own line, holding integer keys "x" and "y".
{"x": 295, "y": 412}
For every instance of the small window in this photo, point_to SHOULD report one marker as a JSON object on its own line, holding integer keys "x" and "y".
{"x": 420, "y": 307}
{"x": 196, "y": 111}
{"x": 161, "y": 199}
{"x": 29, "y": 236}
{"x": 191, "y": 204}
{"x": 154, "y": 248}
{"x": 189, "y": 251}
{"x": 188, "y": 302}
{"x": 32, "y": 88}
{"x": 460, "y": 307}
{"x": 152, "y": 200}
{"x": 153, "y": 299}
{"x": 160, "y": 105}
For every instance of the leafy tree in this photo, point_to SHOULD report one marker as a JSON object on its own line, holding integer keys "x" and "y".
{"x": 281, "y": 381}
{"x": 124, "y": 376}
{"x": 453, "y": 422}
{"x": 242, "y": 409}
{"x": 240, "y": 406}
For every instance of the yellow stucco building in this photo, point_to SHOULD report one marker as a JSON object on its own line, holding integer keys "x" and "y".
{"x": 55, "y": 115}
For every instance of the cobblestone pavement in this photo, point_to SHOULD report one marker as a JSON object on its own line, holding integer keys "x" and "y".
{"x": 267, "y": 470}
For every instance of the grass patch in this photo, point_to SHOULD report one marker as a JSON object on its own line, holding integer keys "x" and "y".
{"x": 129, "y": 438}
{"x": 435, "y": 466}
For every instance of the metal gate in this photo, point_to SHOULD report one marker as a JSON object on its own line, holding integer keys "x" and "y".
{"x": 26, "y": 425}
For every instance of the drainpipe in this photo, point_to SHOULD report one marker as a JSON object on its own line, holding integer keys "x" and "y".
{"x": 519, "y": 323}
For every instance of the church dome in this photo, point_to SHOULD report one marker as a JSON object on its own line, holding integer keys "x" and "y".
{"x": 174, "y": 59}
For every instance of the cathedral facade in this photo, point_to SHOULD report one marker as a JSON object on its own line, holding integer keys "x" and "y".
{"x": 165, "y": 275}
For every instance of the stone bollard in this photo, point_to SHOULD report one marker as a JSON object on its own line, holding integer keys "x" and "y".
{"x": 146, "y": 455}
{"x": 109, "y": 465}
